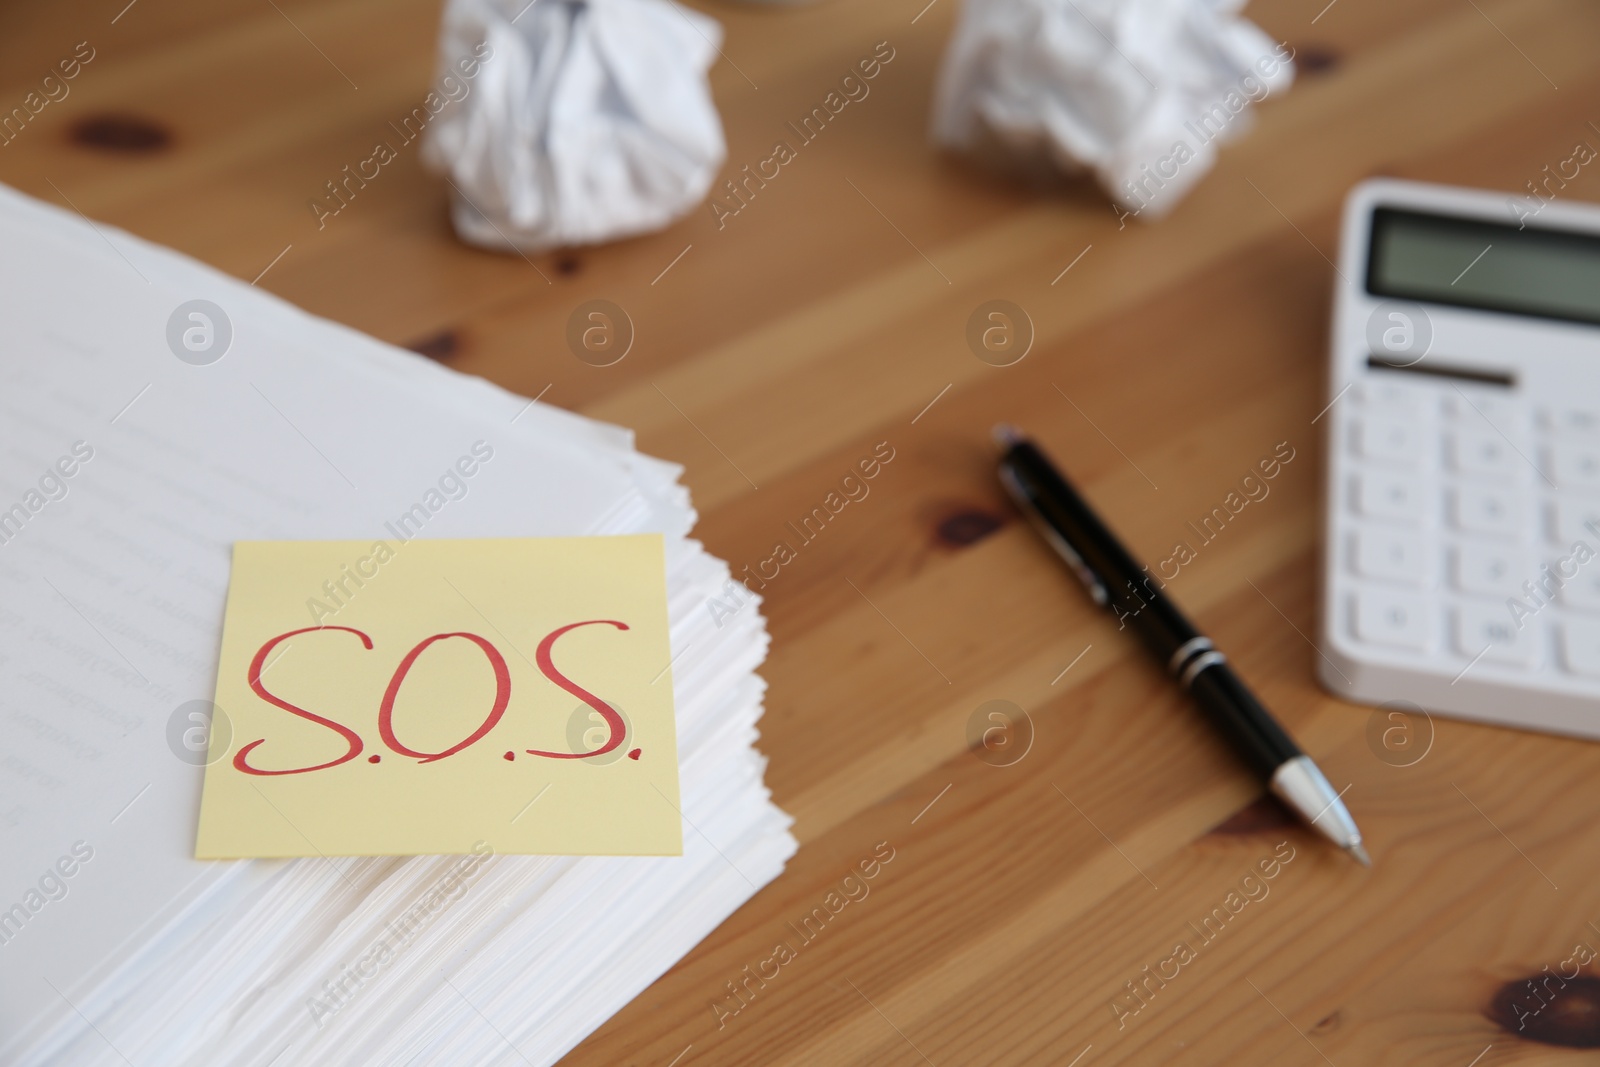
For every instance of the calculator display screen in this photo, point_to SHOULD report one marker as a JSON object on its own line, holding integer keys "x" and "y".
{"x": 1469, "y": 263}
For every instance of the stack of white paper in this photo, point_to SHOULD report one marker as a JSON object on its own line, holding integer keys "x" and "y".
{"x": 116, "y": 946}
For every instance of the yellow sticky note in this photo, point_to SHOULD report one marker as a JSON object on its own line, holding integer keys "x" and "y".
{"x": 404, "y": 698}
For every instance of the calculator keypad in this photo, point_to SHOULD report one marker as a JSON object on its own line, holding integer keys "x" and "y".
{"x": 1573, "y": 515}
{"x": 1459, "y": 511}
{"x": 1571, "y": 423}
{"x": 1580, "y": 647}
{"x": 1390, "y": 497}
{"x": 1389, "y": 441}
{"x": 1483, "y": 455}
{"x": 1487, "y": 510}
{"x": 1490, "y": 570}
{"x": 1398, "y": 619}
{"x": 1483, "y": 411}
{"x": 1583, "y": 592}
{"x": 1489, "y": 632}
{"x": 1390, "y": 556}
{"x": 1574, "y": 467}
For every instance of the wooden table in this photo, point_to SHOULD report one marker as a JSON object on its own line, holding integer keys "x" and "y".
{"x": 1023, "y": 902}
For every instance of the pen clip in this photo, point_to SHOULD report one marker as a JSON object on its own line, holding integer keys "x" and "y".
{"x": 1091, "y": 581}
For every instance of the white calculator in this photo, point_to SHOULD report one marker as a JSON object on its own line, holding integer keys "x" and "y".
{"x": 1461, "y": 565}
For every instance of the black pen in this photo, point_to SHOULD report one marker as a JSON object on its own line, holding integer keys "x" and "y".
{"x": 1120, "y": 584}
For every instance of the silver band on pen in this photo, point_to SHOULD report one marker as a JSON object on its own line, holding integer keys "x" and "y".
{"x": 1185, "y": 650}
{"x": 1198, "y": 664}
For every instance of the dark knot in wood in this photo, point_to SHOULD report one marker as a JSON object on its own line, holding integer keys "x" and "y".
{"x": 1550, "y": 1009}
{"x": 967, "y": 527}
{"x": 439, "y": 346}
{"x": 127, "y": 134}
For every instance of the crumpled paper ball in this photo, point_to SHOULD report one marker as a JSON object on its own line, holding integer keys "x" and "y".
{"x": 1137, "y": 91}
{"x": 581, "y": 121}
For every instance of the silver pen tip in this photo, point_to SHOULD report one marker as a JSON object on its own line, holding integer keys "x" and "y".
{"x": 1355, "y": 849}
{"x": 1005, "y": 435}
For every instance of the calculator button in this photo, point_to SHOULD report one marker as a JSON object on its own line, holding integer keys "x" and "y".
{"x": 1481, "y": 509}
{"x": 1395, "y": 397}
{"x": 1390, "y": 556}
{"x": 1575, "y": 467}
{"x": 1581, "y": 591}
{"x": 1492, "y": 633}
{"x": 1392, "y": 619}
{"x": 1580, "y": 647}
{"x": 1389, "y": 441}
{"x": 1389, "y": 496}
{"x": 1484, "y": 455}
{"x": 1571, "y": 422}
{"x": 1572, "y": 515}
{"x": 1483, "y": 410}
{"x": 1490, "y": 569}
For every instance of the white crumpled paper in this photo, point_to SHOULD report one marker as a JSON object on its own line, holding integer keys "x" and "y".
{"x": 1137, "y": 91}
{"x": 587, "y": 120}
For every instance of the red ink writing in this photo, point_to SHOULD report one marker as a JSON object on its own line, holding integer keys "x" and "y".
{"x": 352, "y": 739}
{"x": 547, "y": 667}
{"x": 502, "y": 697}
{"x": 543, "y": 657}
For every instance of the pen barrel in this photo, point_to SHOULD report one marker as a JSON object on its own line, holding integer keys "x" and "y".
{"x": 1127, "y": 589}
{"x": 1117, "y": 581}
{"x": 1241, "y": 717}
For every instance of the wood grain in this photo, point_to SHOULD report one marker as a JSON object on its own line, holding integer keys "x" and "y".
{"x": 824, "y": 319}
